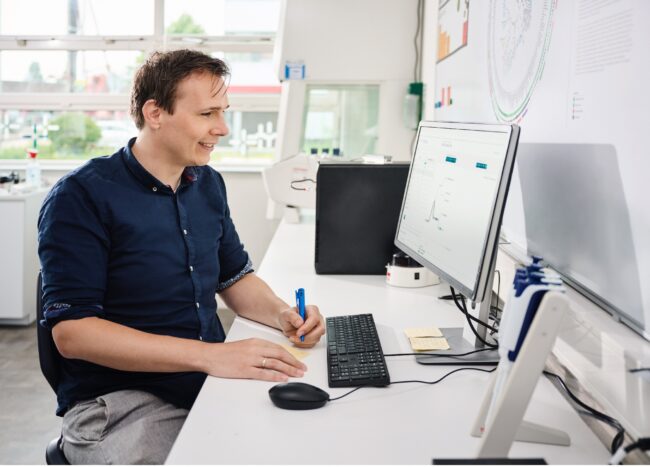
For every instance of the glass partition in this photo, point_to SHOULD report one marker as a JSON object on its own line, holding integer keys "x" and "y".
{"x": 342, "y": 117}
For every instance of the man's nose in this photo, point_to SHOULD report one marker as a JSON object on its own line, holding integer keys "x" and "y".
{"x": 221, "y": 129}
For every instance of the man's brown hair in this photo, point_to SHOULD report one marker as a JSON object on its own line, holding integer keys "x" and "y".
{"x": 159, "y": 76}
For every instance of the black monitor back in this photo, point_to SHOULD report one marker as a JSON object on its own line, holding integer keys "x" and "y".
{"x": 357, "y": 209}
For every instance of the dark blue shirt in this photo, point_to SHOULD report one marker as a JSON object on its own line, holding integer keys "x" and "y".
{"x": 116, "y": 243}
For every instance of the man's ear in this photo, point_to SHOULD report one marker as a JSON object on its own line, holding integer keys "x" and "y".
{"x": 151, "y": 113}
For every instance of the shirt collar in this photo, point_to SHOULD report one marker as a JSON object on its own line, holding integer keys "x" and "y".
{"x": 189, "y": 175}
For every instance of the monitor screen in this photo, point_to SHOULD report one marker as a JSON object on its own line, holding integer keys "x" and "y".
{"x": 454, "y": 200}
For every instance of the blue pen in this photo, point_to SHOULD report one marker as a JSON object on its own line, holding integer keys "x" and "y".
{"x": 300, "y": 303}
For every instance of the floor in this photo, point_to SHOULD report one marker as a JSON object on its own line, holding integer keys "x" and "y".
{"x": 27, "y": 403}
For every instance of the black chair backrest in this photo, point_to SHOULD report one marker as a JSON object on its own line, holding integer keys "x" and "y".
{"x": 48, "y": 355}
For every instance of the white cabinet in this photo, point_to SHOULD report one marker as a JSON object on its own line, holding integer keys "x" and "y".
{"x": 19, "y": 263}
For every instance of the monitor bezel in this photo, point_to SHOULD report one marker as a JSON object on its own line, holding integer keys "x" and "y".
{"x": 488, "y": 255}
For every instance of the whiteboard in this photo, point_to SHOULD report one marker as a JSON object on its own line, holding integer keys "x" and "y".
{"x": 574, "y": 75}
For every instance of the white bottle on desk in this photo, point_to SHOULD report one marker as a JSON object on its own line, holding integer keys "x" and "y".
{"x": 33, "y": 169}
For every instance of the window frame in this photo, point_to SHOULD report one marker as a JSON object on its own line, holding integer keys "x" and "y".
{"x": 244, "y": 102}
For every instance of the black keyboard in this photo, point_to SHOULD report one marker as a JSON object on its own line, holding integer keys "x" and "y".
{"x": 354, "y": 355}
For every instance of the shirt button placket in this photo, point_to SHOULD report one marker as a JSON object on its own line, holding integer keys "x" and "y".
{"x": 190, "y": 258}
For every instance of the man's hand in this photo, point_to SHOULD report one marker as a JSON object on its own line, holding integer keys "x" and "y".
{"x": 253, "y": 359}
{"x": 293, "y": 326}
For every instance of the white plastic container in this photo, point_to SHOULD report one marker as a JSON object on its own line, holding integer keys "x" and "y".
{"x": 33, "y": 169}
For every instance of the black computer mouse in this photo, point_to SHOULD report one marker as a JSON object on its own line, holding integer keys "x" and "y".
{"x": 298, "y": 396}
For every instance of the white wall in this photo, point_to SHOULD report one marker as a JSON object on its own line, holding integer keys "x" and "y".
{"x": 429, "y": 54}
{"x": 247, "y": 199}
{"x": 348, "y": 42}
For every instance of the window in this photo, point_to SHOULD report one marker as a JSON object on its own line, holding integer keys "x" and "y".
{"x": 66, "y": 73}
{"x": 92, "y": 17}
{"x": 252, "y": 136}
{"x": 251, "y": 72}
{"x": 342, "y": 117}
{"x": 222, "y": 17}
{"x": 63, "y": 135}
{"x": 58, "y": 71}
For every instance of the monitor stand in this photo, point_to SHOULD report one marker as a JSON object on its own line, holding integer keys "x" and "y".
{"x": 458, "y": 345}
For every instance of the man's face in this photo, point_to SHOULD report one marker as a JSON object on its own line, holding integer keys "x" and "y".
{"x": 192, "y": 131}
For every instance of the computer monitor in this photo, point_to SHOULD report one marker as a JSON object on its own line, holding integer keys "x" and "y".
{"x": 453, "y": 205}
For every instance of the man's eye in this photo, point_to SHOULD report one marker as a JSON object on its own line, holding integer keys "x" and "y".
{"x": 206, "y": 114}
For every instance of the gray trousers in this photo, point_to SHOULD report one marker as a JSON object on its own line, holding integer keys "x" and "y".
{"x": 122, "y": 427}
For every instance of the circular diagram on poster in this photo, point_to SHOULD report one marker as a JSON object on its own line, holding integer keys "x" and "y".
{"x": 518, "y": 38}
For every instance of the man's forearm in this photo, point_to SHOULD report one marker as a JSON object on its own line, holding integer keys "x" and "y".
{"x": 252, "y": 298}
{"x": 116, "y": 346}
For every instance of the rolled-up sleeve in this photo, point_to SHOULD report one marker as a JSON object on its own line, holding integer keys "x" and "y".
{"x": 73, "y": 247}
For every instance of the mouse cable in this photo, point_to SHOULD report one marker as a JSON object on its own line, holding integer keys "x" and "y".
{"x": 620, "y": 435}
{"x": 414, "y": 381}
{"x": 463, "y": 309}
{"x": 482, "y": 370}
{"x": 642, "y": 444}
{"x": 436, "y": 354}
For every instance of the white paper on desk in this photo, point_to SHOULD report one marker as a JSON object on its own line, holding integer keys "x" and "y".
{"x": 297, "y": 352}
{"x": 275, "y": 336}
{"x": 243, "y": 328}
{"x": 258, "y": 327}
{"x": 387, "y": 335}
{"x": 431, "y": 331}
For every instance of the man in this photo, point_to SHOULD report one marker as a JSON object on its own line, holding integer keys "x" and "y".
{"x": 133, "y": 248}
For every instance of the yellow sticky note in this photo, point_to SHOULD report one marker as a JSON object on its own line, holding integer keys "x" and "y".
{"x": 423, "y": 332}
{"x": 429, "y": 343}
{"x": 295, "y": 351}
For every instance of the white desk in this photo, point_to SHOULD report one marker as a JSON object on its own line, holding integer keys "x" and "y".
{"x": 234, "y": 421}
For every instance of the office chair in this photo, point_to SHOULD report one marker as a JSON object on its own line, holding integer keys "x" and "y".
{"x": 49, "y": 358}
